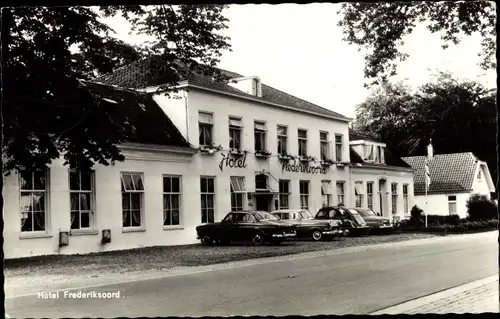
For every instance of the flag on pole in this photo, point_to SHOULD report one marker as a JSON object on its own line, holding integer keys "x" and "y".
{"x": 427, "y": 175}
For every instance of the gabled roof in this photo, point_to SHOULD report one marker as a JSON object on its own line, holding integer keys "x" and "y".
{"x": 141, "y": 74}
{"x": 355, "y": 135}
{"x": 149, "y": 123}
{"x": 390, "y": 159}
{"x": 450, "y": 173}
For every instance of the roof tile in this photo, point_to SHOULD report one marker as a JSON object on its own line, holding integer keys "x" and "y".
{"x": 450, "y": 173}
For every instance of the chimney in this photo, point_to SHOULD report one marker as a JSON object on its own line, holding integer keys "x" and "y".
{"x": 430, "y": 150}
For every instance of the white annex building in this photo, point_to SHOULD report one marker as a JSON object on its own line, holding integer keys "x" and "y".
{"x": 214, "y": 148}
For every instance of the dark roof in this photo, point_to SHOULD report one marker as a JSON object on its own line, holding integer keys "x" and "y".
{"x": 142, "y": 74}
{"x": 355, "y": 135}
{"x": 149, "y": 123}
{"x": 450, "y": 173}
{"x": 390, "y": 159}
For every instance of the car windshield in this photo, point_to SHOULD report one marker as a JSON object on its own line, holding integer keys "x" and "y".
{"x": 366, "y": 212}
{"x": 306, "y": 215}
{"x": 265, "y": 216}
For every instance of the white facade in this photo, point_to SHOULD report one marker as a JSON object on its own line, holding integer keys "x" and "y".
{"x": 169, "y": 215}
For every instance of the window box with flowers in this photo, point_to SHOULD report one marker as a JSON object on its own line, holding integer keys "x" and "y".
{"x": 307, "y": 158}
{"x": 342, "y": 164}
{"x": 285, "y": 156}
{"x": 327, "y": 162}
{"x": 210, "y": 149}
{"x": 238, "y": 152}
{"x": 262, "y": 153}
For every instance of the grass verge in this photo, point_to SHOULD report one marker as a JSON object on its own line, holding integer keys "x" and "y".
{"x": 166, "y": 257}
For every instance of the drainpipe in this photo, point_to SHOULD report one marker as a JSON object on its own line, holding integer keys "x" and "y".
{"x": 185, "y": 97}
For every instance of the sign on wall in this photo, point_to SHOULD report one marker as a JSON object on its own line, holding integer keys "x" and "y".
{"x": 232, "y": 161}
{"x": 303, "y": 168}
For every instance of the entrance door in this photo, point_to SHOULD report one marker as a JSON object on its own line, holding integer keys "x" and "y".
{"x": 262, "y": 202}
{"x": 383, "y": 197}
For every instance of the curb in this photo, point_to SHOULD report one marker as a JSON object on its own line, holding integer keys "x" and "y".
{"x": 419, "y": 302}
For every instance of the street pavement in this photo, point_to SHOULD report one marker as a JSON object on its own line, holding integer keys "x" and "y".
{"x": 361, "y": 282}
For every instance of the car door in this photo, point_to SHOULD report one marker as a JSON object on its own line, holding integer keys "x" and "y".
{"x": 228, "y": 227}
{"x": 243, "y": 227}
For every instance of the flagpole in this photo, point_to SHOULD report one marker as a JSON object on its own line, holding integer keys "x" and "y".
{"x": 426, "y": 210}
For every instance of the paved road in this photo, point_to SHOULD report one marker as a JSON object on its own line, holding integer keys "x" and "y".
{"x": 351, "y": 283}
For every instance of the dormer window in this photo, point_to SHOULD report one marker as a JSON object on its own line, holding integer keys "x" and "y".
{"x": 256, "y": 87}
{"x": 369, "y": 152}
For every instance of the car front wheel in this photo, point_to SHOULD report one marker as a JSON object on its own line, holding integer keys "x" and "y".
{"x": 258, "y": 238}
{"x": 207, "y": 241}
{"x": 316, "y": 235}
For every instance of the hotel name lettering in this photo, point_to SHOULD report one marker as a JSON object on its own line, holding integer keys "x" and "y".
{"x": 233, "y": 161}
{"x": 303, "y": 168}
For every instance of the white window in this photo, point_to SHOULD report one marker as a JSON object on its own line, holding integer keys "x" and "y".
{"x": 338, "y": 147}
{"x": 282, "y": 139}
{"x": 405, "y": 200}
{"x": 369, "y": 195}
{"x": 256, "y": 86}
{"x": 452, "y": 205}
{"x": 33, "y": 187}
{"x": 235, "y": 127}
{"x": 238, "y": 190}
{"x": 394, "y": 192}
{"x": 284, "y": 194}
{"x": 302, "y": 139}
{"x": 132, "y": 199}
{"x": 340, "y": 193}
{"x": 304, "y": 194}
{"x": 81, "y": 192}
{"x": 326, "y": 193}
{"x": 260, "y": 131}
{"x": 380, "y": 154}
{"x": 325, "y": 146}
{"x": 205, "y": 124}
{"x": 358, "y": 192}
{"x": 207, "y": 190}
{"x": 369, "y": 152}
{"x": 171, "y": 200}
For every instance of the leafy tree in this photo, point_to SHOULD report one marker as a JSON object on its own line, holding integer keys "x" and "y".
{"x": 479, "y": 207}
{"x": 459, "y": 116}
{"x": 47, "y": 52}
{"x": 380, "y": 28}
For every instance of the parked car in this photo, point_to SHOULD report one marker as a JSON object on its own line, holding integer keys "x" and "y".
{"x": 255, "y": 226}
{"x": 307, "y": 226}
{"x": 375, "y": 222}
{"x": 352, "y": 222}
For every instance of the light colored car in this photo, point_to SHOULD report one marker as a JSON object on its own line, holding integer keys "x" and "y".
{"x": 307, "y": 226}
{"x": 373, "y": 220}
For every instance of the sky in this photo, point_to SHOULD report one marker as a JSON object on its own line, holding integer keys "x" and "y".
{"x": 298, "y": 49}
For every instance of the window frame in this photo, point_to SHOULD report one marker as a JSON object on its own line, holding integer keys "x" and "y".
{"x": 326, "y": 197}
{"x": 260, "y": 135}
{"x": 358, "y": 194}
{"x": 394, "y": 198}
{"x": 304, "y": 196}
{"x": 302, "y": 140}
{"x": 282, "y": 194}
{"x": 452, "y": 202}
{"x": 324, "y": 142}
{"x": 237, "y": 195}
{"x": 32, "y": 191}
{"x": 369, "y": 194}
{"x": 179, "y": 200}
{"x": 340, "y": 196}
{"x": 283, "y": 138}
{"x": 92, "y": 202}
{"x": 203, "y": 127}
{"x": 206, "y": 195}
{"x": 235, "y": 131}
{"x": 338, "y": 153}
{"x": 141, "y": 200}
{"x": 406, "y": 203}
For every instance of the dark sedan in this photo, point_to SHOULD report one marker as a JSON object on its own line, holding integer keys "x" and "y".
{"x": 352, "y": 222}
{"x": 307, "y": 226}
{"x": 254, "y": 226}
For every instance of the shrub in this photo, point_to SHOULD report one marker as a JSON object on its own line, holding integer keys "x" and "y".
{"x": 441, "y": 219}
{"x": 479, "y": 207}
{"x": 416, "y": 214}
